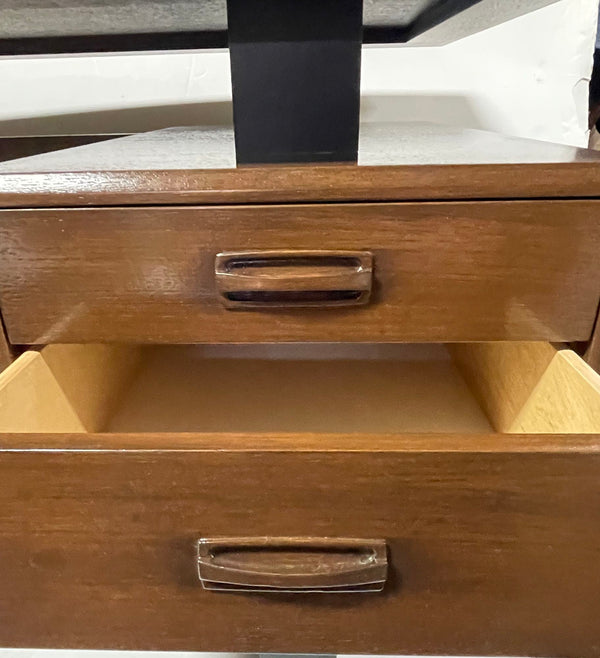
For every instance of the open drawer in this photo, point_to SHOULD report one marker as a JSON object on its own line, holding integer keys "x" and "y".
{"x": 475, "y": 466}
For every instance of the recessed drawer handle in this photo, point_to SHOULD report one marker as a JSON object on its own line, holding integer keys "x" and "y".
{"x": 271, "y": 279}
{"x": 292, "y": 564}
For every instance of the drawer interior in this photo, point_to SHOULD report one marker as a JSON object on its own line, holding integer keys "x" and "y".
{"x": 461, "y": 388}
{"x": 470, "y": 388}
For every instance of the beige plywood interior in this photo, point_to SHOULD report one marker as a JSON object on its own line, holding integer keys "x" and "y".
{"x": 466, "y": 389}
{"x": 297, "y": 395}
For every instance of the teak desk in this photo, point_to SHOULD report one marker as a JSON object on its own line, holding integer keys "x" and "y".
{"x": 427, "y": 481}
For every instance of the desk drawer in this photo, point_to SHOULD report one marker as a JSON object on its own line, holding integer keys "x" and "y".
{"x": 508, "y": 270}
{"x": 115, "y": 461}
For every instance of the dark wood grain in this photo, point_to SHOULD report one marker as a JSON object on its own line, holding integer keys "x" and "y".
{"x": 21, "y": 147}
{"x": 396, "y": 162}
{"x": 322, "y": 442}
{"x": 492, "y": 551}
{"x": 443, "y": 272}
{"x": 6, "y": 351}
{"x": 592, "y": 351}
{"x": 299, "y": 184}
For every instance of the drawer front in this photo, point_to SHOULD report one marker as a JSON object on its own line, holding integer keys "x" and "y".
{"x": 442, "y": 272}
{"x": 490, "y": 552}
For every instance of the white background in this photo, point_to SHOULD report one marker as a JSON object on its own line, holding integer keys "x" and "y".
{"x": 528, "y": 77}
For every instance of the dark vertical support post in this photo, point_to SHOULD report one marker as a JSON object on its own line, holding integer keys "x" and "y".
{"x": 295, "y": 68}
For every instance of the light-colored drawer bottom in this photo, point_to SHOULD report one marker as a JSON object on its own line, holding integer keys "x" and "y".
{"x": 460, "y": 388}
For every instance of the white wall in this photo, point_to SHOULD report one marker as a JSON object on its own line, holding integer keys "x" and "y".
{"x": 527, "y": 77}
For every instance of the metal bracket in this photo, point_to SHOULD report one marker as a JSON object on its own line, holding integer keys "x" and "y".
{"x": 296, "y": 79}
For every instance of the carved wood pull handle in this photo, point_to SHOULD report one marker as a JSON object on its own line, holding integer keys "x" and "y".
{"x": 292, "y": 564}
{"x": 271, "y": 279}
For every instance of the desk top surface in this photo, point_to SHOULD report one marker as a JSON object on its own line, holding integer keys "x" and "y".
{"x": 395, "y": 162}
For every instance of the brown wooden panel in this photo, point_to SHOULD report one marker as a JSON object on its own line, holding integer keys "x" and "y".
{"x": 6, "y": 351}
{"x": 92, "y": 378}
{"x": 531, "y": 387}
{"x": 297, "y": 184}
{"x": 592, "y": 351}
{"x": 443, "y": 272}
{"x": 492, "y": 551}
{"x": 504, "y": 375}
{"x": 322, "y": 442}
{"x": 21, "y": 147}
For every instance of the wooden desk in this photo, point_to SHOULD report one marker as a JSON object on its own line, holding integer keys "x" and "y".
{"x": 440, "y": 420}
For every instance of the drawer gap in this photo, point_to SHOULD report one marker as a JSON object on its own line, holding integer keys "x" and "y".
{"x": 463, "y": 389}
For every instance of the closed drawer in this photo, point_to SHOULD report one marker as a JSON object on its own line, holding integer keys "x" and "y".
{"x": 473, "y": 271}
{"x": 477, "y": 465}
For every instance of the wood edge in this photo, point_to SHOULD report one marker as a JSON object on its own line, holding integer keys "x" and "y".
{"x": 93, "y": 377}
{"x": 317, "y": 444}
{"x": 7, "y": 352}
{"x": 17, "y": 366}
{"x": 502, "y": 375}
{"x": 582, "y": 368}
{"x": 31, "y": 398}
{"x": 565, "y": 399}
{"x": 385, "y": 183}
{"x": 592, "y": 352}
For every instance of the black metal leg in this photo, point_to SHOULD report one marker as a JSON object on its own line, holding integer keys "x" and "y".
{"x": 295, "y": 68}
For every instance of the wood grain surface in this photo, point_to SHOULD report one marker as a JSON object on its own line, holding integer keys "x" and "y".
{"x": 565, "y": 397}
{"x": 531, "y": 387}
{"x": 396, "y": 161}
{"x": 503, "y": 375}
{"x": 21, "y": 147}
{"x": 288, "y": 184}
{"x": 32, "y": 400}
{"x": 443, "y": 272}
{"x": 92, "y": 378}
{"x": 493, "y": 545}
{"x": 6, "y": 351}
{"x": 592, "y": 349}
